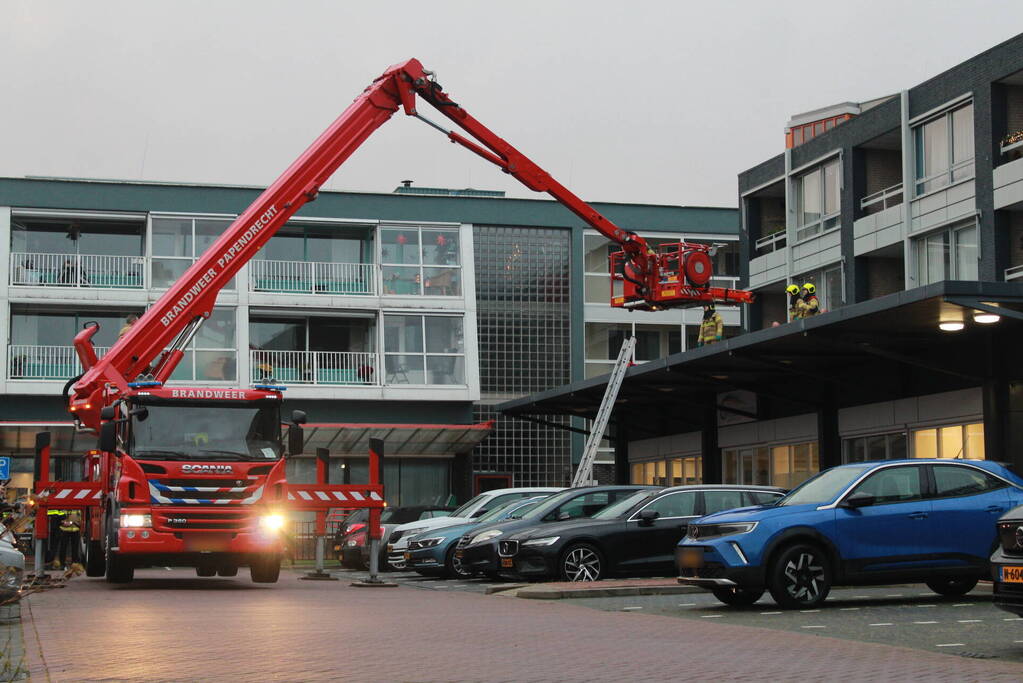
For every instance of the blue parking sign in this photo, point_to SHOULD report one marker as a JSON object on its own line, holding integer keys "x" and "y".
{"x": 5, "y": 467}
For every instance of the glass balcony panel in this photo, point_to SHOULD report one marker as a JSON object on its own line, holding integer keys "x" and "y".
{"x": 402, "y": 280}
{"x": 440, "y": 247}
{"x": 442, "y": 281}
{"x": 166, "y": 271}
{"x": 445, "y": 369}
{"x": 444, "y": 334}
{"x": 399, "y": 245}
{"x": 216, "y": 366}
{"x": 403, "y": 369}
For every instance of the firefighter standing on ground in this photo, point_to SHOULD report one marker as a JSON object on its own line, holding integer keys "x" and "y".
{"x": 70, "y": 532}
{"x": 712, "y": 328}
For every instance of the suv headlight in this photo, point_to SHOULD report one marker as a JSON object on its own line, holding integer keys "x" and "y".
{"x": 547, "y": 540}
{"x": 485, "y": 536}
{"x": 704, "y": 531}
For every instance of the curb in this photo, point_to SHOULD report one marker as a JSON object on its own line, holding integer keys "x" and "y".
{"x": 540, "y": 593}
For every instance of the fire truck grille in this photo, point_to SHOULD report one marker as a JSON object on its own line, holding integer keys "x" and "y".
{"x": 203, "y": 491}
{"x": 207, "y": 521}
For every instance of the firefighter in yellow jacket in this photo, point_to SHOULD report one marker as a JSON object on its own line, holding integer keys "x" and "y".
{"x": 795, "y": 302}
{"x": 811, "y": 305}
{"x": 712, "y": 328}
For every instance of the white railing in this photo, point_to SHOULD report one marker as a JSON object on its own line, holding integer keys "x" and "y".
{"x": 78, "y": 270}
{"x": 1014, "y": 273}
{"x": 772, "y": 242}
{"x": 26, "y": 361}
{"x": 316, "y": 367}
{"x": 727, "y": 281}
{"x": 890, "y": 196}
{"x": 311, "y": 277}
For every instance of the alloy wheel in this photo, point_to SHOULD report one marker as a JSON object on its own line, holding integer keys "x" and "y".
{"x": 805, "y": 577}
{"x": 458, "y": 567}
{"x": 582, "y": 564}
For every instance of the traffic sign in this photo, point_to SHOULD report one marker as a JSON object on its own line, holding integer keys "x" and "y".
{"x": 5, "y": 467}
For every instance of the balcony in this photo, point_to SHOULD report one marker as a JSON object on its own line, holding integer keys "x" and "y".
{"x": 319, "y": 368}
{"x": 883, "y": 199}
{"x": 44, "y": 362}
{"x": 96, "y": 271}
{"x": 312, "y": 277}
{"x": 770, "y": 243}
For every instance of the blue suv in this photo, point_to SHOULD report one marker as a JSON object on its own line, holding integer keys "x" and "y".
{"x": 865, "y": 523}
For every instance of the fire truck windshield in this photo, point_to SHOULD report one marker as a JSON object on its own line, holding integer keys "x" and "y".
{"x": 220, "y": 431}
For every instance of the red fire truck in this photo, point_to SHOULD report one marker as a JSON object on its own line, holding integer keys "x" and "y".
{"x": 188, "y": 476}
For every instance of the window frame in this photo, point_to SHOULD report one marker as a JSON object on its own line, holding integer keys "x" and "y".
{"x": 923, "y": 481}
{"x": 933, "y": 480}
{"x": 919, "y": 157}
{"x": 420, "y": 265}
{"x": 697, "y": 506}
{"x": 825, "y": 222}
{"x": 951, "y": 235}
{"x": 425, "y": 354}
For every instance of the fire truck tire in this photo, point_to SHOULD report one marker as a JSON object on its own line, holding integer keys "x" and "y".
{"x": 118, "y": 571}
{"x": 265, "y": 569}
{"x": 205, "y": 571}
{"x": 95, "y": 563}
{"x": 228, "y": 571}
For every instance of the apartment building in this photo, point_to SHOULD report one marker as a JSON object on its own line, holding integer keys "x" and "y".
{"x": 405, "y": 315}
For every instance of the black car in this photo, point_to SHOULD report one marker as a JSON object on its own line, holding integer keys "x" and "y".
{"x": 351, "y": 543}
{"x": 478, "y": 550}
{"x": 1007, "y": 562}
{"x": 635, "y": 536}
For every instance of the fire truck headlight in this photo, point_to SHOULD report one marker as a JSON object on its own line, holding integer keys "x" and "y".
{"x": 272, "y": 522}
{"x": 133, "y": 520}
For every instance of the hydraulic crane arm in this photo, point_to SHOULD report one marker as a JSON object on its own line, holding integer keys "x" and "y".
{"x": 154, "y": 345}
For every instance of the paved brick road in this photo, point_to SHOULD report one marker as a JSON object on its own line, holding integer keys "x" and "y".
{"x": 171, "y": 626}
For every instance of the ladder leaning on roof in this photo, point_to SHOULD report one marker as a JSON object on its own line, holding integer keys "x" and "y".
{"x": 584, "y": 473}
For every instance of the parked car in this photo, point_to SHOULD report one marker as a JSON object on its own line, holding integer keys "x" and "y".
{"x": 1007, "y": 563}
{"x": 12, "y": 567}
{"x": 637, "y": 535}
{"x": 931, "y": 521}
{"x": 473, "y": 509}
{"x": 351, "y": 541}
{"x": 478, "y": 549}
{"x": 432, "y": 553}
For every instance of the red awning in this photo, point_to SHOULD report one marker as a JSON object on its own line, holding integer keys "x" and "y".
{"x": 347, "y": 438}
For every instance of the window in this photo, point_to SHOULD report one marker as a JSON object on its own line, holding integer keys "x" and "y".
{"x": 830, "y": 286}
{"x": 212, "y": 355}
{"x": 784, "y": 466}
{"x": 950, "y": 254}
{"x": 874, "y": 447}
{"x": 957, "y": 441}
{"x": 674, "y": 505}
{"x": 604, "y": 341}
{"x": 892, "y": 485}
{"x": 177, "y": 242}
{"x": 424, "y": 349}
{"x": 716, "y": 501}
{"x": 762, "y": 497}
{"x": 421, "y": 261}
{"x": 818, "y": 195}
{"x": 944, "y": 149}
{"x": 951, "y": 481}
{"x": 586, "y": 505}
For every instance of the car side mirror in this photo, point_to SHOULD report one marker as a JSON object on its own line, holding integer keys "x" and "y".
{"x": 647, "y": 517}
{"x": 298, "y": 417}
{"x": 859, "y": 499}
{"x": 108, "y": 437}
{"x": 562, "y": 516}
{"x": 108, "y": 412}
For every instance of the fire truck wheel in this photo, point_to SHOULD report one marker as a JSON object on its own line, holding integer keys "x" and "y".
{"x": 228, "y": 571}
{"x": 95, "y": 563}
{"x": 205, "y": 571}
{"x": 265, "y": 569}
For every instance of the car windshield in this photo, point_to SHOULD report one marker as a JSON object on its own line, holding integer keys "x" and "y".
{"x": 520, "y": 511}
{"x": 467, "y": 506}
{"x": 214, "y": 431}
{"x": 500, "y": 510}
{"x": 824, "y": 487}
{"x": 624, "y": 505}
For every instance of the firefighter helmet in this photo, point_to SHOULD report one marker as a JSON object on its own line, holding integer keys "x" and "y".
{"x": 810, "y": 287}
{"x": 792, "y": 289}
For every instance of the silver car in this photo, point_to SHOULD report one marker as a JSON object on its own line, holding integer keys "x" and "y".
{"x": 12, "y": 567}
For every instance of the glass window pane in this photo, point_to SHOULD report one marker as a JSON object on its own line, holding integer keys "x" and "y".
{"x": 637, "y": 473}
{"x": 804, "y": 463}
{"x": 402, "y": 280}
{"x": 166, "y": 271}
{"x": 893, "y": 485}
{"x": 761, "y": 466}
{"x": 598, "y": 289}
{"x": 950, "y": 481}
{"x": 277, "y": 335}
{"x": 595, "y": 258}
{"x": 404, "y": 370}
{"x": 399, "y": 245}
{"x": 443, "y": 334}
{"x": 876, "y": 447}
{"x": 925, "y": 443}
{"x": 217, "y": 332}
{"x": 445, "y": 369}
{"x": 403, "y": 333}
{"x": 648, "y": 343}
{"x": 717, "y": 501}
{"x": 966, "y": 254}
{"x": 440, "y": 247}
{"x": 207, "y": 231}
{"x": 730, "y": 467}
{"x": 746, "y": 468}
{"x": 935, "y": 147}
{"x": 781, "y": 470}
{"x": 833, "y": 297}
{"x": 937, "y": 257}
{"x": 810, "y": 196}
{"x": 831, "y": 189}
{"x": 951, "y": 442}
{"x": 218, "y": 366}
{"x": 284, "y": 247}
{"x": 186, "y": 368}
{"x": 172, "y": 237}
{"x": 975, "y": 441}
{"x": 675, "y": 505}
{"x": 442, "y": 281}
{"x": 962, "y": 134}
{"x": 896, "y": 446}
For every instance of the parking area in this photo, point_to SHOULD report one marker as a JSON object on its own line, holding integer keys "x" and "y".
{"x": 907, "y": 615}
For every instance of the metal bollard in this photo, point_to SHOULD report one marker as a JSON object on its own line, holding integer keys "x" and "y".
{"x": 40, "y": 568}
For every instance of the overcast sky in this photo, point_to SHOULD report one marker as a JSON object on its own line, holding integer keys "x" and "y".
{"x": 661, "y": 102}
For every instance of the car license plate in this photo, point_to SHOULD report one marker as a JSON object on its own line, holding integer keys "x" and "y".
{"x": 506, "y": 562}
{"x": 691, "y": 558}
{"x": 1012, "y": 574}
{"x": 408, "y": 556}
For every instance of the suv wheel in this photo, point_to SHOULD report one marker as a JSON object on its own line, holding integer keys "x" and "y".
{"x": 800, "y": 577}
{"x": 581, "y": 562}
{"x": 952, "y": 585}
{"x": 738, "y": 597}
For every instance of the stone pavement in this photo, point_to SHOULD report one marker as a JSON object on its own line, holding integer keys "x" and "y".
{"x": 12, "y": 649}
{"x": 172, "y": 626}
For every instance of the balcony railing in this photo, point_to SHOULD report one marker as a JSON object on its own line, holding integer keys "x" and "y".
{"x": 890, "y": 196}
{"x": 316, "y": 367}
{"x": 1014, "y": 273}
{"x": 78, "y": 270}
{"x": 311, "y": 277}
{"x": 769, "y": 243}
{"x": 25, "y": 361}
